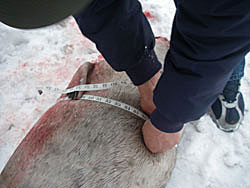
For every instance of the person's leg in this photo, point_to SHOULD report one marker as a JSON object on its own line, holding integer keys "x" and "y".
{"x": 123, "y": 35}
{"x": 238, "y": 71}
{"x": 175, "y": 2}
{"x": 228, "y": 109}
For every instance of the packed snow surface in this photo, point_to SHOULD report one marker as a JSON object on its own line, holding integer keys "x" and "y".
{"x": 207, "y": 157}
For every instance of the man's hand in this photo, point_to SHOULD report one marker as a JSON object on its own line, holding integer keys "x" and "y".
{"x": 158, "y": 141}
{"x": 155, "y": 140}
{"x": 146, "y": 92}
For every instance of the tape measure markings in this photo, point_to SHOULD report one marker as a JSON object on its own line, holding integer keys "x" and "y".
{"x": 85, "y": 87}
{"x": 113, "y": 103}
{"x": 96, "y": 87}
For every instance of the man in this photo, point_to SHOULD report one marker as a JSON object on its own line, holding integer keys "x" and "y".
{"x": 203, "y": 66}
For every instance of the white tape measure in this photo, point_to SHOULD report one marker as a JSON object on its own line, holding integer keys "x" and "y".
{"x": 113, "y": 103}
{"x": 95, "y": 87}
{"x": 86, "y": 87}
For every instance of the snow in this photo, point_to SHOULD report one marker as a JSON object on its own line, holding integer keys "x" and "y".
{"x": 207, "y": 157}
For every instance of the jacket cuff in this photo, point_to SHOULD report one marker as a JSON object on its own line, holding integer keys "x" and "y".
{"x": 163, "y": 124}
{"x": 146, "y": 68}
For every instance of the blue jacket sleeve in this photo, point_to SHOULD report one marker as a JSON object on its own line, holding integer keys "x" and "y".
{"x": 209, "y": 38}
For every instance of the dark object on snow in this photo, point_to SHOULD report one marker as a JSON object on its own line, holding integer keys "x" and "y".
{"x": 31, "y": 14}
{"x": 40, "y": 92}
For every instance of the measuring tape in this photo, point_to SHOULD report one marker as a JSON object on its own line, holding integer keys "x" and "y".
{"x": 112, "y": 102}
{"x": 95, "y": 87}
{"x": 85, "y": 87}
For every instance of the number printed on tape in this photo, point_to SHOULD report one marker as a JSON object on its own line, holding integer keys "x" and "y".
{"x": 95, "y": 87}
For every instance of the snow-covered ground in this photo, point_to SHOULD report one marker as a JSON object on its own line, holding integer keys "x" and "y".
{"x": 207, "y": 157}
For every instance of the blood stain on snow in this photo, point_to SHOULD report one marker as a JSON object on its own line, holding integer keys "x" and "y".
{"x": 149, "y": 15}
{"x": 162, "y": 38}
{"x": 41, "y": 64}
{"x": 100, "y": 57}
{"x": 25, "y": 64}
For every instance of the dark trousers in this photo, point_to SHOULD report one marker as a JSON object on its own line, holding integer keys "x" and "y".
{"x": 209, "y": 39}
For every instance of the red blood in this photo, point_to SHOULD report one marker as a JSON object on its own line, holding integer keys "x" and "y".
{"x": 25, "y": 64}
{"x": 162, "y": 38}
{"x": 100, "y": 57}
{"x": 41, "y": 64}
{"x": 148, "y": 15}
